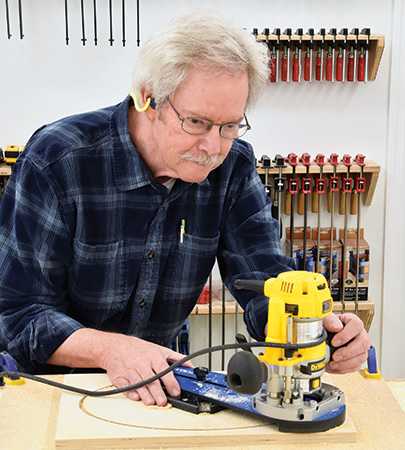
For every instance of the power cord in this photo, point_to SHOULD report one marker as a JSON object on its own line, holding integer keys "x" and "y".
{"x": 243, "y": 346}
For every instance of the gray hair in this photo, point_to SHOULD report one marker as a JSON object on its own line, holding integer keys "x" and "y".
{"x": 202, "y": 39}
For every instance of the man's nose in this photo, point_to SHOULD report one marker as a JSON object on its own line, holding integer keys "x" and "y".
{"x": 212, "y": 141}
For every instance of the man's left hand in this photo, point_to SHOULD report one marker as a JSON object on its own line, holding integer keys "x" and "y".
{"x": 348, "y": 327}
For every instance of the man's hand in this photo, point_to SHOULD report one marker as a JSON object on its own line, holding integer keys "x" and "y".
{"x": 351, "y": 357}
{"x": 129, "y": 360}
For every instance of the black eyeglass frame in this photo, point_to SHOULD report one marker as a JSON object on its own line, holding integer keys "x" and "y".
{"x": 246, "y": 125}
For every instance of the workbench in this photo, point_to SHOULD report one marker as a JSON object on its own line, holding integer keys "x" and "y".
{"x": 28, "y": 416}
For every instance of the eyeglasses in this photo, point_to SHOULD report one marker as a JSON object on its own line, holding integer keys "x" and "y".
{"x": 195, "y": 125}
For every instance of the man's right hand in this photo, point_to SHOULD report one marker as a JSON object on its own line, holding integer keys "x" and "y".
{"x": 128, "y": 360}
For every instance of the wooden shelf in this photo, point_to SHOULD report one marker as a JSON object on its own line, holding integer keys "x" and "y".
{"x": 376, "y": 44}
{"x": 370, "y": 172}
{"x": 5, "y": 170}
{"x": 365, "y": 311}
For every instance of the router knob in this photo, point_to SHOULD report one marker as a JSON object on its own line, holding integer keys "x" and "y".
{"x": 245, "y": 373}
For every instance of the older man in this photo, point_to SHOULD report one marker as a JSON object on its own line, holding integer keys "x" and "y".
{"x": 94, "y": 272}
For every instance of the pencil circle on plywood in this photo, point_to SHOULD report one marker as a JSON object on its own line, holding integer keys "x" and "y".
{"x": 119, "y": 410}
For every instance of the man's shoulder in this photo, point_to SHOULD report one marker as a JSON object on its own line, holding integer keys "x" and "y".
{"x": 53, "y": 141}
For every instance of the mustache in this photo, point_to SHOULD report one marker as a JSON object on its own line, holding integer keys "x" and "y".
{"x": 203, "y": 159}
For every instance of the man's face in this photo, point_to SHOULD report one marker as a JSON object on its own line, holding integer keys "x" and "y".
{"x": 219, "y": 98}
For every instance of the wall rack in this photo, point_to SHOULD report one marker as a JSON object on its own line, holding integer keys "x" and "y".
{"x": 376, "y": 45}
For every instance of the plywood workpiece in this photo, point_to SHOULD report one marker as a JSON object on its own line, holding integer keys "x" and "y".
{"x": 29, "y": 416}
{"x": 115, "y": 422}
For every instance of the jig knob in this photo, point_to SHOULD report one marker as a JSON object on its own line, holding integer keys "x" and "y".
{"x": 245, "y": 373}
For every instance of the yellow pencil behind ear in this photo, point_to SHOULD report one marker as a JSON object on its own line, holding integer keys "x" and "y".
{"x": 136, "y": 104}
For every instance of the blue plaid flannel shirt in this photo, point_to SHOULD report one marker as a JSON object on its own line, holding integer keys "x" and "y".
{"x": 89, "y": 239}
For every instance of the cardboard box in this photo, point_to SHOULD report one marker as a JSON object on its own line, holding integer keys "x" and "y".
{"x": 333, "y": 277}
{"x": 350, "y": 260}
{"x": 298, "y": 249}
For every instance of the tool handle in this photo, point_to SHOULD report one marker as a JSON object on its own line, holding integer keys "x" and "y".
{"x": 284, "y": 68}
{"x": 328, "y": 69}
{"x": 350, "y": 68}
{"x": 342, "y": 203}
{"x": 339, "y": 68}
{"x": 301, "y": 204}
{"x": 296, "y": 69}
{"x": 250, "y": 285}
{"x": 273, "y": 68}
{"x": 329, "y": 197}
{"x": 315, "y": 202}
{"x": 354, "y": 201}
{"x": 287, "y": 203}
{"x": 318, "y": 68}
{"x": 361, "y": 68}
{"x": 332, "y": 349}
{"x": 307, "y": 68}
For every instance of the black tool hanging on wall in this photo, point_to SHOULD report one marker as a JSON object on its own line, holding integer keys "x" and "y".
{"x": 83, "y": 23}
{"x": 66, "y": 23}
{"x": 95, "y": 21}
{"x": 8, "y": 20}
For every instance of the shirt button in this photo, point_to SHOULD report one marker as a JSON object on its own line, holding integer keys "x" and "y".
{"x": 151, "y": 255}
{"x": 162, "y": 209}
{"x": 142, "y": 303}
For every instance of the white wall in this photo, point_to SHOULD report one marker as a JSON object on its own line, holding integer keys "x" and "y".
{"x": 43, "y": 79}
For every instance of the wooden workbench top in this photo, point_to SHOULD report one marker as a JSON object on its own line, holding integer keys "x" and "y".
{"x": 28, "y": 416}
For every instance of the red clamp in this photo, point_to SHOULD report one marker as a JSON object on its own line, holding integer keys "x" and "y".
{"x": 347, "y": 183}
{"x": 292, "y": 159}
{"x": 320, "y": 159}
{"x": 320, "y": 182}
{"x": 334, "y": 159}
{"x": 360, "y": 160}
{"x": 360, "y": 181}
{"x": 333, "y": 180}
{"x": 346, "y": 160}
{"x": 292, "y": 182}
{"x": 306, "y": 182}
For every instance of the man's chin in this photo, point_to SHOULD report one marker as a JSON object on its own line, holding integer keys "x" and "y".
{"x": 198, "y": 174}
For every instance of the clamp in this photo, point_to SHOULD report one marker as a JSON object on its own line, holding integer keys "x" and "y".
{"x": 8, "y": 365}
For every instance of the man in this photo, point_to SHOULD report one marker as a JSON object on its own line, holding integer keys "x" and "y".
{"x": 112, "y": 220}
